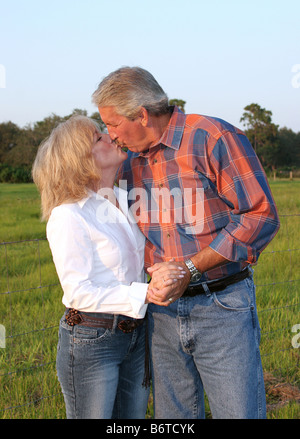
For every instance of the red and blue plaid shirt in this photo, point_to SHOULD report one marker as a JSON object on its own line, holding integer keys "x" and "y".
{"x": 220, "y": 196}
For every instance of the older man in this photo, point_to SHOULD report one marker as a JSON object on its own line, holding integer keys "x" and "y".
{"x": 202, "y": 199}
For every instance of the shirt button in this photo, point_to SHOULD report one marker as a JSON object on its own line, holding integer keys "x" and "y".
{"x": 154, "y": 161}
{"x": 161, "y": 185}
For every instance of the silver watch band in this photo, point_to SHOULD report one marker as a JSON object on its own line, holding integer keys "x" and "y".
{"x": 195, "y": 273}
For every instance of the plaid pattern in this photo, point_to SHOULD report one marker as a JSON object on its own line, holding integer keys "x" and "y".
{"x": 235, "y": 212}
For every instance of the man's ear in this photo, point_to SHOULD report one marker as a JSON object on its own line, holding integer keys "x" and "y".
{"x": 144, "y": 117}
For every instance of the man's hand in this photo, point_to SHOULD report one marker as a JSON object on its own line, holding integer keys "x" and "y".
{"x": 162, "y": 294}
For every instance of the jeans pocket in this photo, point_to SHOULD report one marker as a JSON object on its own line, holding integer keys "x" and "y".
{"x": 237, "y": 297}
{"x": 86, "y": 335}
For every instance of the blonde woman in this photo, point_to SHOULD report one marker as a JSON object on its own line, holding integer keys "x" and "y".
{"x": 98, "y": 252}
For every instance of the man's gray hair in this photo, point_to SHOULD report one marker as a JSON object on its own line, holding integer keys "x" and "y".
{"x": 130, "y": 88}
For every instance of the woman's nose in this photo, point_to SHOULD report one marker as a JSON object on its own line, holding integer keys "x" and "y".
{"x": 107, "y": 138}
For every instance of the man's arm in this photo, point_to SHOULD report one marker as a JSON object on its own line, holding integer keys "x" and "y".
{"x": 205, "y": 260}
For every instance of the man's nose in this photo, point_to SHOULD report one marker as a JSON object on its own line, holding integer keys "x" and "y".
{"x": 112, "y": 134}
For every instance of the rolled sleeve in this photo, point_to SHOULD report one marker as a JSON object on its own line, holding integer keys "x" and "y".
{"x": 242, "y": 184}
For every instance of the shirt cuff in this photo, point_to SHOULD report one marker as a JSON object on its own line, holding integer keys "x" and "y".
{"x": 232, "y": 249}
{"x": 138, "y": 293}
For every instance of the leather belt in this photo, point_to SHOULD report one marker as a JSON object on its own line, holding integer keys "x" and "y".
{"x": 217, "y": 285}
{"x": 75, "y": 317}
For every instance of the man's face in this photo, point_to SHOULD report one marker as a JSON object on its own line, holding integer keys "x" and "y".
{"x": 126, "y": 133}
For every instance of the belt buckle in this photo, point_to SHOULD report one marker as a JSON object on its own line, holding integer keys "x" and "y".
{"x": 127, "y": 325}
{"x": 73, "y": 317}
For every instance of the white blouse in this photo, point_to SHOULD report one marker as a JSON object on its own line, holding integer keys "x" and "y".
{"x": 98, "y": 252}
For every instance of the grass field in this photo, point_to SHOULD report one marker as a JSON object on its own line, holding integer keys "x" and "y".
{"x": 30, "y": 308}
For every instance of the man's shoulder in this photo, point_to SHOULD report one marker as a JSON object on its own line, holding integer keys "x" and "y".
{"x": 213, "y": 126}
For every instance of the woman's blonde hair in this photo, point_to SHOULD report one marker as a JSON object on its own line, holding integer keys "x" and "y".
{"x": 64, "y": 167}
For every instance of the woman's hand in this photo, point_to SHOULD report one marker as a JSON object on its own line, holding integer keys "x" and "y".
{"x": 169, "y": 281}
{"x": 164, "y": 274}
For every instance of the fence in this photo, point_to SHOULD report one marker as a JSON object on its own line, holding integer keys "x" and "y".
{"x": 30, "y": 309}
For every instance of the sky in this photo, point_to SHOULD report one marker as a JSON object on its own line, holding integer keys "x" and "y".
{"x": 218, "y": 56}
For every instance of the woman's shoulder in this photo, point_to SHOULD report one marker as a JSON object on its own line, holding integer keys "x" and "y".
{"x": 65, "y": 212}
{"x": 65, "y": 219}
{"x": 65, "y": 208}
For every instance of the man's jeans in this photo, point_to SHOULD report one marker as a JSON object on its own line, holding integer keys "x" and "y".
{"x": 209, "y": 341}
{"x": 101, "y": 371}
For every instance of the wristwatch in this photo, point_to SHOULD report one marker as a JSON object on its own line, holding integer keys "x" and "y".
{"x": 195, "y": 274}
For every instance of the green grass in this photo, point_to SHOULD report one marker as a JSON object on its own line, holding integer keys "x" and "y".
{"x": 31, "y": 311}
{"x": 20, "y": 212}
{"x": 277, "y": 285}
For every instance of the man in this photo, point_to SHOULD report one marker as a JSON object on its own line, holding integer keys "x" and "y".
{"x": 204, "y": 332}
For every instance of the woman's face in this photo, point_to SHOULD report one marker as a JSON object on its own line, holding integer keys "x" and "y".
{"x": 106, "y": 153}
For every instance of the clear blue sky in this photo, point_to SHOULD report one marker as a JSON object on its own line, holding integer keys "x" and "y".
{"x": 218, "y": 56}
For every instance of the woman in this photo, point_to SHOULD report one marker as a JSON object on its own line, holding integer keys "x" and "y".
{"x": 98, "y": 252}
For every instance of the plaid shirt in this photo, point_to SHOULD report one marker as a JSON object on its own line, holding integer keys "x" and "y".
{"x": 220, "y": 196}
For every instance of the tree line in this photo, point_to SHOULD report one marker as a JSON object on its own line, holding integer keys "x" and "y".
{"x": 277, "y": 149}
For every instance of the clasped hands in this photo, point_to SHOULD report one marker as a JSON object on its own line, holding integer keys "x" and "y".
{"x": 169, "y": 280}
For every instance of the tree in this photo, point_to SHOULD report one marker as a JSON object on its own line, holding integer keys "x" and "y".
{"x": 9, "y": 135}
{"x": 262, "y": 133}
{"x": 18, "y": 146}
{"x": 96, "y": 116}
{"x": 28, "y": 141}
{"x": 289, "y": 148}
{"x": 179, "y": 102}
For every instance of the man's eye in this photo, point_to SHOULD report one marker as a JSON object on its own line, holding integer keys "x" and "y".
{"x": 99, "y": 139}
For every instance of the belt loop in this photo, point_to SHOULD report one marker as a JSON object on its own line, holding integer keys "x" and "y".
{"x": 115, "y": 323}
{"x": 206, "y": 289}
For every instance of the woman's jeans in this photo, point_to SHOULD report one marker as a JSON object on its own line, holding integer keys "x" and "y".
{"x": 208, "y": 342}
{"x": 101, "y": 371}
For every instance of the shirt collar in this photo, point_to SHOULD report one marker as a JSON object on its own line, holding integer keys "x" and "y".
{"x": 171, "y": 137}
{"x": 173, "y": 134}
{"x": 82, "y": 202}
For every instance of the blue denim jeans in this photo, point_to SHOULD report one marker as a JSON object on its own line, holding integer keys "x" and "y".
{"x": 209, "y": 343}
{"x": 101, "y": 371}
